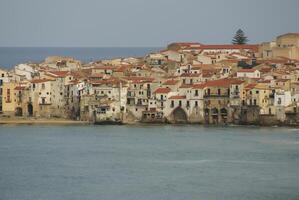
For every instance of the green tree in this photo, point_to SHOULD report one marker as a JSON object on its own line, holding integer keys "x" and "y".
{"x": 240, "y": 37}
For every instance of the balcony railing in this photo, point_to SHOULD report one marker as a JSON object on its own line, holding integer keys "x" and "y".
{"x": 216, "y": 96}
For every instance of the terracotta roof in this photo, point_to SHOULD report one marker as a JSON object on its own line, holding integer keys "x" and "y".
{"x": 20, "y": 88}
{"x": 122, "y": 68}
{"x": 105, "y": 67}
{"x": 58, "y": 74}
{"x": 177, "y": 97}
{"x": 186, "y": 43}
{"x": 171, "y": 82}
{"x": 218, "y": 83}
{"x": 250, "y": 86}
{"x": 186, "y": 86}
{"x": 162, "y": 90}
{"x": 40, "y": 80}
{"x": 199, "y": 86}
{"x": 252, "y": 47}
{"x": 236, "y": 81}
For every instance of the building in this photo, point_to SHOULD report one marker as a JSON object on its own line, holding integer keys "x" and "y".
{"x": 286, "y": 45}
{"x": 248, "y": 73}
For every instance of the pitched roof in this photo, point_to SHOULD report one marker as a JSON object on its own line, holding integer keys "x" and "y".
{"x": 247, "y": 70}
{"x": 162, "y": 90}
{"x": 40, "y": 80}
{"x": 250, "y": 86}
{"x": 20, "y": 87}
{"x": 171, "y": 82}
{"x": 177, "y": 97}
{"x": 252, "y": 47}
{"x": 58, "y": 74}
{"x": 199, "y": 86}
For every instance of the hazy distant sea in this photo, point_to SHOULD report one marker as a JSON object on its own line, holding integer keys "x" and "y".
{"x": 11, "y": 56}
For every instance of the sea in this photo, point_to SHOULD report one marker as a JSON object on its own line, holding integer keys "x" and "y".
{"x": 148, "y": 162}
{"x": 11, "y": 56}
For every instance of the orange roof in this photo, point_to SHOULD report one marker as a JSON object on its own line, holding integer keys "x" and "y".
{"x": 186, "y": 86}
{"x": 236, "y": 81}
{"x": 250, "y": 86}
{"x": 58, "y": 74}
{"x": 162, "y": 90}
{"x": 177, "y": 97}
{"x": 199, "y": 86}
{"x": 122, "y": 68}
{"x": 222, "y": 82}
{"x": 252, "y": 47}
{"x": 40, "y": 80}
{"x": 186, "y": 43}
{"x": 104, "y": 67}
{"x": 20, "y": 88}
{"x": 170, "y": 82}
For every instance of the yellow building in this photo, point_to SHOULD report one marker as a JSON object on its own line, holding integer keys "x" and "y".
{"x": 8, "y": 98}
{"x": 260, "y": 95}
{"x": 286, "y": 45}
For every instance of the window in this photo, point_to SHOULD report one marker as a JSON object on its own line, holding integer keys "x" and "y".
{"x": 279, "y": 101}
{"x": 196, "y": 104}
{"x": 161, "y": 97}
{"x": 196, "y": 93}
{"x": 180, "y": 103}
{"x": 257, "y": 92}
{"x": 43, "y": 86}
{"x": 8, "y": 95}
{"x": 219, "y": 92}
{"x": 254, "y": 102}
{"x": 188, "y": 104}
{"x": 172, "y": 104}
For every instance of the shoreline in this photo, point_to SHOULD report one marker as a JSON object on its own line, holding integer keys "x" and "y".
{"x": 42, "y": 121}
{"x": 75, "y": 122}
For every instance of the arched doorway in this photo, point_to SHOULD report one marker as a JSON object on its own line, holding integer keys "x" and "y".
{"x": 30, "y": 109}
{"x": 223, "y": 112}
{"x": 180, "y": 115}
{"x": 214, "y": 113}
{"x": 207, "y": 115}
{"x": 18, "y": 112}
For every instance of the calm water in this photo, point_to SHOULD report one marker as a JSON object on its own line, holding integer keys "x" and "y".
{"x": 11, "y": 56}
{"x": 148, "y": 163}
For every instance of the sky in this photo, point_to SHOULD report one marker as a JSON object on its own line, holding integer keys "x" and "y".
{"x": 142, "y": 23}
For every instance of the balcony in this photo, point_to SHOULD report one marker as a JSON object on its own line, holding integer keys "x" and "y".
{"x": 216, "y": 96}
